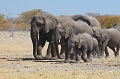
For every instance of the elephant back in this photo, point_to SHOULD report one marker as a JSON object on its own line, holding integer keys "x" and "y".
{"x": 93, "y": 22}
{"x": 64, "y": 18}
{"x": 82, "y": 27}
{"x": 114, "y": 33}
{"x": 82, "y": 18}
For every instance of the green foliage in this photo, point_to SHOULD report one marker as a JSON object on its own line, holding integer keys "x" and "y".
{"x": 106, "y": 21}
{"x": 109, "y": 21}
{"x": 23, "y": 21}
{"x": 2, "y": 21}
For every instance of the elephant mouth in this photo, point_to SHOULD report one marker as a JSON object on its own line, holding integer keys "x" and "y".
{"x": 40, "y": 26}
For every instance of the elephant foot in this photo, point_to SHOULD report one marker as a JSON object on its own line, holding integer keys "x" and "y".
{"x": 66, "y": 60}
{"x": 101, "y": 56}
{"x": 107, "y": 57}
{"x": 78, "y": 61}
{"x": 54, "y": 58}
{"x": 62, "y": 56}
{"x": 88, "y": 60}
{"x": 94, "y": 56}
{"x": 39, "y": 57}
{"x": 47, "y": 57}
{"x": 116, "y": 56}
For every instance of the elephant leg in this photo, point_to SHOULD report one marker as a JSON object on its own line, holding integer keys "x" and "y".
{"x": 78, "y": 55}
{"x": 48, "y": 54}
{"x": 117, "y": 52}
{"x": 113, "y": 48}
{"x": 98, "y": 52}
{"x": 103, "y": 46}
{"x": 102, "y": 51}
{"x": 41, "y": 44}
{"x": 106, "y": 53}
{"x": 89, "y": 55}
{"x": 94, "y": 53}
{"x": 84, "y": 56}
{"x": 67, "y": 53}
{"x": 53, "y": 52}
{"x": 62, "y": 52}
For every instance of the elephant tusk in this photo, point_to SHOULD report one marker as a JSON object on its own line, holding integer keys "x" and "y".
{"x": 59, "y": 41}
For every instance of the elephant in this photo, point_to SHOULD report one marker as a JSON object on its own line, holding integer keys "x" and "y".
{"x": 108, "y": 37}
{"x": 64, "y": 32}
{"x": 95, "y": 48}
{"x": 62, "y": 19}
{"x": 42, "y": 30}
{"x": 84, "y": 43}
{"x": 91, "y": 21}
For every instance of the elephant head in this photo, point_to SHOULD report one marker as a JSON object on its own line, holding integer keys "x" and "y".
{"x": 41, "y": 24}
{"x": 63, "y": 30}
{"x": 44, "y": 22}
{"x": 76, "y": 41}
{"x": 101, "y": 35}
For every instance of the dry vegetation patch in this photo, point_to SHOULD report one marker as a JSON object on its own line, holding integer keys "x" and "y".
{"x": 17, "y": 62}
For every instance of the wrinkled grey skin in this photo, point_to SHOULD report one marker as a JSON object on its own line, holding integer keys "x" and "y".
{"x": 108, "y": 37}
{"x": 62, "y": 19}
{"x": 42, "y": 29}
{"x": 91, "y": 21}
{"x": 84, "y": 43}
{"x": 95, "y": 49}
{"x": 66, "y": 30}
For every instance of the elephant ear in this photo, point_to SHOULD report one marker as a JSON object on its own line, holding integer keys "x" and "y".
{"x": 82, "y": 18}
{"x": 69, "y": 32}
{"x": 50, "y": 22}
{"x": 104, "y": 36}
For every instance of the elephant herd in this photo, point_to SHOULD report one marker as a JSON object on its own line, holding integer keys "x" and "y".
{"x": 80, "y": 37}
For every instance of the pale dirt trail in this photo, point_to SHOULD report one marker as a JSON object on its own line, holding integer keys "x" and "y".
{"x": 17, "y": 62}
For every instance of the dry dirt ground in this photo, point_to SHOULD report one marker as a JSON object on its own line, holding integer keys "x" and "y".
{"x": 17, "y": 62}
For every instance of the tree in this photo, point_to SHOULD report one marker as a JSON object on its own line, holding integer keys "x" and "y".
{"x": 108, "y": 21}
{"x": 2, "y": 21}
{"x": 23, "y": 21}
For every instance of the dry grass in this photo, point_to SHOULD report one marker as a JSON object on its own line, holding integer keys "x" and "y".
{"x": 17, "y": 62}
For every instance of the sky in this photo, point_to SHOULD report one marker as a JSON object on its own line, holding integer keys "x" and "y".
{"x": 13, "y": 8}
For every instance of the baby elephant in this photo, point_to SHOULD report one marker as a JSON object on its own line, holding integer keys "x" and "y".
{"x": 84, "y": 43}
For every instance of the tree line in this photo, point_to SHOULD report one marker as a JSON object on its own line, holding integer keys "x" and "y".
{"x": 22, "y": 22}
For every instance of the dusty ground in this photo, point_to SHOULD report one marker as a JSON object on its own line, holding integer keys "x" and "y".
{"x": 17, "y": 62}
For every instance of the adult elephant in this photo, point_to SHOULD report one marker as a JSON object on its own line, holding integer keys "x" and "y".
{"x": 64, "y": 31}
{"x": 91, "y": 21}
{"x": 42, "y": 30}
{"x": 108, "y": 37}
{"x": 62, "y": 19}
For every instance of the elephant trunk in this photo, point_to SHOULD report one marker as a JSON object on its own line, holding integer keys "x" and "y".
{"x": 56, "y": 42}
{"x": 34, "y": 38}
{"x": 57, "y": 37}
